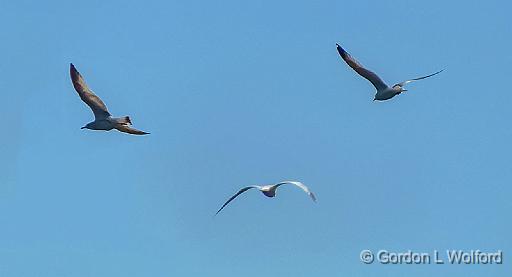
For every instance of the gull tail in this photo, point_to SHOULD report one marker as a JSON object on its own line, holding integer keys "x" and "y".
{"x": 127, "y": 129}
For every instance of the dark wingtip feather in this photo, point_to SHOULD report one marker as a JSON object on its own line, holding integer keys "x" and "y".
{"x": 341, "y": 51}
{"x": 75, "y": 75}
{"x": 73, "y": 69}
{"x": 313, "y": 196}
{"x": 142, "y": 133}
{"x": 220, "y": 209}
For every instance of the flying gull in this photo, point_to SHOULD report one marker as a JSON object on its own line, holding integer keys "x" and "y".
{"x": 269, "y": 191}
{"x": 384, "y": 92}
{"x": 103, "y": 120}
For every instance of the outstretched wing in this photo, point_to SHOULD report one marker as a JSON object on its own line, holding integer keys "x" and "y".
{"x": 367, "y": 74}
{"x": 126, "y": 128}
{"x": 416, "y": 79}
{"x": 234, "y": 196}
{"x": 300, "y": 185}
{"x": 94, "y": 102}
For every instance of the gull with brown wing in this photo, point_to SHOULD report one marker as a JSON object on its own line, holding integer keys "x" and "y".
{"x": 384, "y": 92}
{"x": 103, "y": 120}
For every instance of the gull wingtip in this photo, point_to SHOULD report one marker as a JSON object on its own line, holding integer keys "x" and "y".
{"x": 72, "y": 68}
{"x": 340, "y": 49}
{"x": 439, "y": 71}
{"x": 313, "y": 196}
{"x": 218, "y": 212}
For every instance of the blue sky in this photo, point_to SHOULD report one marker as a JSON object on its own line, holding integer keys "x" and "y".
{"x": 236, "y": 93}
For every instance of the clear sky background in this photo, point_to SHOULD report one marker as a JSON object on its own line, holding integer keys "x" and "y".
{"x": 237, "y": 93}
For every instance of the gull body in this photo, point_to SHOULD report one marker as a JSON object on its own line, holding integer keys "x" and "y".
{"x": 107, "y": 123}
{"x": 384, "y": 92}
{"x": 269, "y": 191}
{"x": 388, "y": 93}
{"x": 103, "y": 120}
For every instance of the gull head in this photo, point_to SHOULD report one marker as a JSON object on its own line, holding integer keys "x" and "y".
{"x": 87, "y": 126}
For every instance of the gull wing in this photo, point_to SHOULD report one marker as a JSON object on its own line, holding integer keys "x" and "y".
{"x": 300, "y": 185}
{"x": 234, "y": 196}
{"x": 416, "y": 79}
{"x": 94, "y": 102}
{"x": 125, "y": 128}
{"x": 367, "y": 74}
